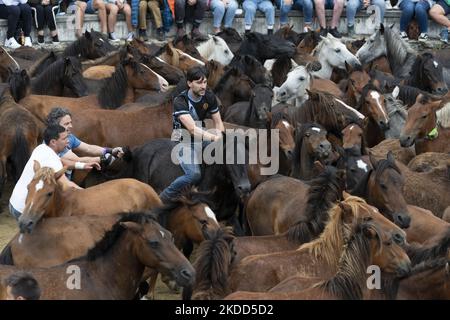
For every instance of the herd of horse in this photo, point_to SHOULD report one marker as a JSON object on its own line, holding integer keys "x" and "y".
{"x": 363, "y": 177}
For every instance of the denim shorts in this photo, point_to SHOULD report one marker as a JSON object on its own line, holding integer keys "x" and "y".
{"x": 90, "y": 7}
{"x": 444, "y": 6}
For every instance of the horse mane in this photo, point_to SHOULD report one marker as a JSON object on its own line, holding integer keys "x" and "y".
{"x": 317, "y": 49}
{"x": 350, "y": 277}
{"x": 215, "y": 256}
{"x": 111, "y": 237}
{"x": 331, "y": 241}
{"x": 420, "y": 253}
{"x": 324, "y": 190}
{"x": 113, "y": 92}
{"x": 53, "y": 73}
{"x": 400, "y": 53}
{"x": 222, "y": 82}
{"x": 383, "y": 165}
{"x": 416, "y": 75}
{"x": 281, "y": 68}
{"x": 189, "y": 196}
{"x": 443, "y": 116}
{"x": 279, "y": 116}
{"x": 46, "y": 174}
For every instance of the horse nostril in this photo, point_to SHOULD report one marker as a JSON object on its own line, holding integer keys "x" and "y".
{"x": 186, "y": 274}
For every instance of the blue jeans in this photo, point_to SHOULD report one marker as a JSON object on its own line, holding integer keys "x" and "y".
{"x": 417, "y": 9}
{"x": 305, "y": 5}
{"x": 16, "y": 214}
{"x": 90, "y": 7}
{"x": 191, "y": 167}
{"x": 354, "y": 6}
{"x": 218, "y": 8}
{"x": 250, "y": 7}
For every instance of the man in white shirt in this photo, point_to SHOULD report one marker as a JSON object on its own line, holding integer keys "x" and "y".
{"x": 55, "y": 140}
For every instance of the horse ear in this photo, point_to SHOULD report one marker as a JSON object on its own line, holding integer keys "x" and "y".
{"x": 376, "y": 83}
{"x": 348, "y": 67}
{"x": 381, "y": 29}
{"x": 345, "y": 195}
{"x": 59, "y": 173}
{"x": 390, "y": 157}
{"x": 87, "y": 34}
{"x": 312, "y": 94}
{"x": 269, "y": 117}
{"x": 436, "y": 105}
{"x": 347, "y": 211}
{"x": 169, "y": 49}
{"x": 36, "y": 166}
{"x": 216, "y": 41}
{"x": 132, "y": 226}
{"x": 396, "y": 92}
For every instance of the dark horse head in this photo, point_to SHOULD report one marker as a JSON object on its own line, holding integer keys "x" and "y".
{"x": 19, "y": 84}
{"x": 91, "y": 45}
{"x": 252, "y": 68}
{"x": 264, "y": 47}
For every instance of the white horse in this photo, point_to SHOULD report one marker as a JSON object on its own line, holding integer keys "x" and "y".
{"x": 331, "y": 52}
{"x": 215, "y": 48}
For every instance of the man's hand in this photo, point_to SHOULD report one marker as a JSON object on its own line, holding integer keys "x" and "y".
{"x": 288, "y": 2}
{"x": 92, "y": 165}
{"x": 45, "y": 2}
{"x": 117, "y": 152}
{"x": 192, "y": 2}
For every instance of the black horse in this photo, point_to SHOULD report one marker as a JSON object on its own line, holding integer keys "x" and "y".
{"x": 252, "y": 67}
{"x": 91, "y": 45}
{"x": 225, "y": 180}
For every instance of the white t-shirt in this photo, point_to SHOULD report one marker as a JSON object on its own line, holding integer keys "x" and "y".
{"x": 46, "y": 158}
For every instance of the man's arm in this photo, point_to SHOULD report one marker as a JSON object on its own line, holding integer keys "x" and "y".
{"x": 72, "y": 161}
{"x": 94, "y": 150}
{"x": 218, "y": 123}
{"x": 189, "y": 124}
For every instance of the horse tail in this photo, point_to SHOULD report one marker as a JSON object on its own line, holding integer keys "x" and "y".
{"x": 20, "y": 154}
{"x": 6, "y": 257}
{"x": 215, "y": 257}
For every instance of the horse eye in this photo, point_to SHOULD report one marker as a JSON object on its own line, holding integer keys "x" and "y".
{"x": 383, "y": 186}
{"x": 367, "y": 219}
{"x": 302, "y": 78}
{"x": 424, "y": 116}
{"x": 371, "y": 41}
{"x": 203, "y": 222}
{"x": 153, "y": 243}
{"x": 337, "y": 50}
{"x": 226, "y": 51}
{"x": 49, "y": 194}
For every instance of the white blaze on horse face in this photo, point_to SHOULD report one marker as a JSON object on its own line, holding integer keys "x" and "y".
{"x": 20, "y": 238}
{"x": 162, "y": 233}
{"x": 376, "y": 96}
{"x": 435, "y": 64}
{"x": 210, "y": 213}
{"x": 315, "y": 129}
{"x": 351, "y": 127}
{"x": 39, "y": 185}
{"x": 396, "y": 92}
{"x": 362, "y": 165}
{"x": 163, "y": 84}
{"x": 286, "y": 124}
{"x": 190, "y": 57}
{"x": 358, "y": 114}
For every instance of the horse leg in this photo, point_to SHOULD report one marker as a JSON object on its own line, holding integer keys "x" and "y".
{"x": 151, "y": 285}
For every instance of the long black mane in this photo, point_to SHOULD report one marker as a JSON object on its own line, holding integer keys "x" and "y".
{"x": 53, "y": 75}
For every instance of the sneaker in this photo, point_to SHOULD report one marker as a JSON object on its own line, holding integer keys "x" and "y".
{"x": 55, "y": 39}
{"x": 403, "y": 35}
{"x": 12, "y": 43}
{"x": 160, "y": 34}
{"x": 40, "y": 39}
{"x": 197, "y": 35}
{"x": 444, "y": 35}
{"x": 323, "y": 32}
{"x": 270, "y": 31}
{"x": 307, "y": 28}
{"x": 130, "y": 36}
{"x": 143, "y": 35}
{"x": 28, "y": 42}
{"x": 112, "y": 37}
{"x": 351, "y": 31}
{"x": 335, "y": 33}
{"x": 423, "y": 36}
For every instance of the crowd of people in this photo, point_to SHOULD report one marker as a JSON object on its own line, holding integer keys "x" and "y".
{"x": 22, "y": 14}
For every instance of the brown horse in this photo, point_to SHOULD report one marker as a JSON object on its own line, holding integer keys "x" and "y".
{"x": 7, "y": 63}
{"x": 368, "y": 244}
{"x": 311, "y": 145}
{"x": 133, "y": 243}
{"x": 424, "y": 128}
{"x": 177, "y": 58}
{"x": 372, "y": 105}
{"x": 280, "y": 121}
{"x": 215, "y": 72}
{"x": 124, "y": 128}
{"x": 46, "y": 198}
{"x": 185, "y": 44}
{"x": 20, "y": 132}
{"x": 283, "y": 204}
{"x": 118, "y": 90}
{"x": 234, "y": 86}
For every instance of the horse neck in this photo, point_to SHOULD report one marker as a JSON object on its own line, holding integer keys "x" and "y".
{"x": 326, "y": 70}
{"x": 306, "y": 163}
{"x": 439, "y": 144}
{"x": 118, "y": 270}
{"x": 52, "y": 86}
{"x": 57, "y": 204}
{"x": 176, "y": 224}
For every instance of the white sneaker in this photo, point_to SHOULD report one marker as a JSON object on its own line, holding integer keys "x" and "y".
{"x": 112, "y": 37}
{"x": 28, "y": 42}
{"x": 12, "y": 43}
{"x": 130, "y": 36}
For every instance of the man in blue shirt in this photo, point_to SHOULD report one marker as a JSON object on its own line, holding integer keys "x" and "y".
{"x": 63, "y": 117}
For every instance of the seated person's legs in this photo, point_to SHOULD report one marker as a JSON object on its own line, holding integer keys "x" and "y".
{"x": 126, "y": 9}
{"x": 338, "y": 6}
{"x": 407, "y": 7}
{"x": 249, "y": 7}
{"x": 218, "y": 9}
{"x": 143, "y": 20}
{"x": 51, "y": 23}
{"x": 26, "y": 18}
{"x": 12, "y": 13}
{"x": 439, "y": 12}
{"x": 269, "y": 11}
{"x": 421, "y": 13}
{"x": 180, "y": 11}
{"x": 307, "y": 7}
{"x": 199, "y": 13}
{"x": 79, "y": 17}
{"x": 153, "y": 6}
{"x": 320, "y": 12}
{"x": 230, "y": 13}
{"x": 353, "y": 6}
{"x": 112, "y": 10}
{"x": 100, "y": 7}
{"x": 284, "y": 6}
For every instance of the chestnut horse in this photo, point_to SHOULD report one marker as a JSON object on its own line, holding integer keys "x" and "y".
{"x": 118, "y": 90}
{"x": 135, "y": 242}
{"x": 46, "y": 198}
{"x": 427, "y": 126}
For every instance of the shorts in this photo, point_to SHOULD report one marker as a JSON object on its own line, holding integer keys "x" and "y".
{"x": 90, "y": 7}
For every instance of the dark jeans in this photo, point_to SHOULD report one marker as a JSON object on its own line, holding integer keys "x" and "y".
{"x": 44, "y": 16}
{"x": 14, "y": 14}
{"x": 417, "y": 9}
{"x": 195, "y": 12}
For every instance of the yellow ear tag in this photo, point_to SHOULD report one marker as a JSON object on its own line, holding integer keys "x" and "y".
{"x": 433, "y": 134}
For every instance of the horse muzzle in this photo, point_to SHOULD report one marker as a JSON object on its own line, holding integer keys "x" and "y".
{"x": 185, "y": 276}
{"x": 406, "y": 141}
{"x": 403, "y": 220}
{"x": 26, "y": 226}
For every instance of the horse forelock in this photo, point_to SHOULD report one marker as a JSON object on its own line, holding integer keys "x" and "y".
{"x": 45, "y": 174}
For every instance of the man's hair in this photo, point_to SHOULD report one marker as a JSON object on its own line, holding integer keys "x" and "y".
{"x": 56, "y": 114}
{"x": 23, "y": 284}
{"x": 196, "y": 73}
{"x": 52, "y": 132}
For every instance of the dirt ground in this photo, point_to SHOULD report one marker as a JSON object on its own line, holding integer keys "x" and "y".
{"x": 8, "y": 228}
